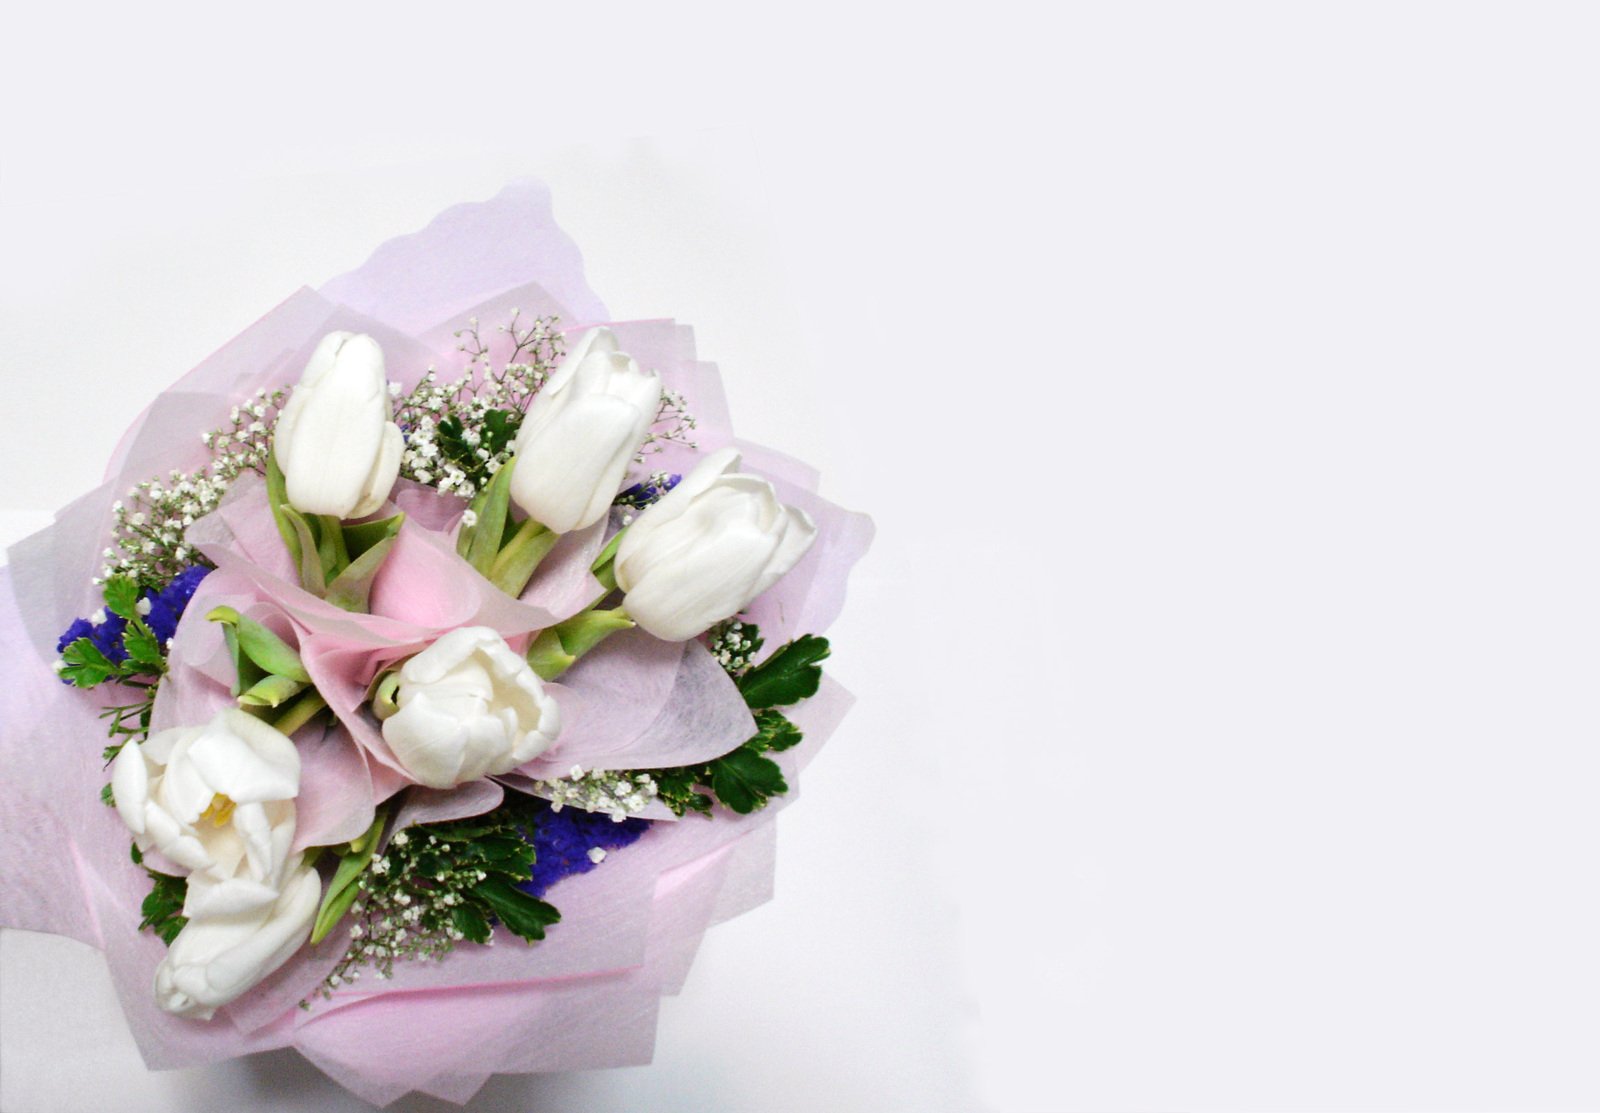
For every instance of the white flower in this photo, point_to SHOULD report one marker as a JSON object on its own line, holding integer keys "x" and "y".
{"x": 469, "y": 707}
{"x": 711, "y": 545}
{"x": 218, "y": 802}
{"x": 215, "y": 958}
{"x": 339, "y": 451}
{"x": 581, "y": 432}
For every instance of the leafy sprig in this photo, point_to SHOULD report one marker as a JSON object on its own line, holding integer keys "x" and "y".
{"x": 163, "y": 908}
{"x": 439, "y": 884}
{"x": 745, "y": 779}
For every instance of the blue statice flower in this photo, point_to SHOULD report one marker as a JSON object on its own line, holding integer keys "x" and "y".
{"x": 168, "y": 604}
{"x": 105, "y": 630}
{"x": 106, "y": 636}
{"x": 641, "y": 495}
{"x": 563, "y": 842}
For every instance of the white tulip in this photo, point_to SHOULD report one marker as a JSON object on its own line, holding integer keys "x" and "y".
{"x": 217, "y": 801}
{"x": 581, "y": 432}
{"x": 215, "y": 958}
{"x": 469, "y": 707}
{"x": 711, "y": 545}
{"x": 338, "y": 448}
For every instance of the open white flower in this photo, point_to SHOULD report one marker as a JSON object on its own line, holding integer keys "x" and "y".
{"x": 581, "y": 432}
{"x": 218, "y": 801}
{"x": 469, "y": 707}
{"x": 711, "y": 545}
{"x": 338, "y": 448}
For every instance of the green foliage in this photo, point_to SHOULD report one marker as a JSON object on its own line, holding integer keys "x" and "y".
{"x": 517, "y": 911}
{"x": 742, "y": 781}
{"x": 746, "y": 779}
{"x": 85, "y": 666}
{"x": 791, "y": 674}
{"x": 122, "y": 596}
{"x": 163, "y": 908}
{"x": 496, "y": 431}
{"x": 443, "y": 883}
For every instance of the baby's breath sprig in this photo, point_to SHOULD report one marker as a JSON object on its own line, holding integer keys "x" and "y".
{"x": 674, "y": 424}
{"x": 438, "y": 885}
{"x": 458, "y": 434}
{"x": 734, "y": 644}
{"x": 618, "y": 794}
{"x": 147, "y": 542}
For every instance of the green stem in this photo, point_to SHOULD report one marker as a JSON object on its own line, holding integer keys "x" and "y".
{"x": 557, "y": 649}
{"x": 331, "y": 548}
{"x": 515, "y": 564}
{"x": 546, "y": 656}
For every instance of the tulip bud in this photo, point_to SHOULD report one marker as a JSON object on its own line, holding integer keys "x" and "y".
{"x": 215, "y": 959}
{"x": 581, "y": 432}
{"x": 711, "y": 545}
{"x": 335, "y": 442}
{"x": 469, "y": 706}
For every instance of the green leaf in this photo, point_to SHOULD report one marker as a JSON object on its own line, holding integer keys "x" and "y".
{"x": 108, "y": 800}
{"x": 85, "y": 665}
{"x": 361, "y": 536}
{"x": 330, "y": 546}
{"x": 278, "y": 500}
{"x": 271, "y": 691}
{"x": 774, "y": 731}
{"x": 521, "y": 914}
{"x": 470, "y": 923}
{"x": 122, "y": 596}
{"x": 676, "y": 788}
{"x": 352, "y": 588}
{"x": 262, "y": 646}
{"x": 311, "y": 577}
{"x": 789, "y": 675}
{"x": 163, "y": 908}
{"x": 480, "y": 544}
{"x": 343, "y": 890}
{"x": 143, "y": 648}
{"x": 744, "y": 780}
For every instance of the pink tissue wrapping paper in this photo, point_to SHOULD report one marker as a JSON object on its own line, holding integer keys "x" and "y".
{"x": 587, "y": 996}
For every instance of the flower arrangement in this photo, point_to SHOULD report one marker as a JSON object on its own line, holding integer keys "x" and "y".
{"x": 446, "y": 680}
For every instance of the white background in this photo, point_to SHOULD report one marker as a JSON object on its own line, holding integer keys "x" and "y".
{"x": 1223, "y": 380}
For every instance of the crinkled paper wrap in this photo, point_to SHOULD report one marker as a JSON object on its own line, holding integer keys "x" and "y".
{"x": 585, "y": 997}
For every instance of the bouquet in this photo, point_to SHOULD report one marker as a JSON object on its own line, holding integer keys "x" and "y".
{"x": 424, "y": 679}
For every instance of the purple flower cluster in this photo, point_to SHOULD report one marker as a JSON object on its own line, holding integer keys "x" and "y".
{"x": 563, "y": 839}
{"x": 166, "y": 607}
{"x": 641, "y": 495}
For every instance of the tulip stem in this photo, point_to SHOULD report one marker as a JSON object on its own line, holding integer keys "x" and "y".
{"x": 300, "y": 712}
{"x": 557, "y": 649}
{"x": 516, "y": 563}
{"x": 604, "y": 568}
{"x": 330, "y": 547}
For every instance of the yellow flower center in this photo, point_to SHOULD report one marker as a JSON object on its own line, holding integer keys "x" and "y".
{"x": 219, "y": 811}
